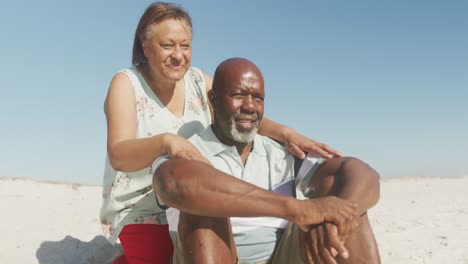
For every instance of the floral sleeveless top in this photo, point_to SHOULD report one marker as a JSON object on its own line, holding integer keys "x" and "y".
{"x": 128, "y": 197}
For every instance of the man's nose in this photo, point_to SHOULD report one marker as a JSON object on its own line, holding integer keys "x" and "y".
{"x": 249, "y": 104}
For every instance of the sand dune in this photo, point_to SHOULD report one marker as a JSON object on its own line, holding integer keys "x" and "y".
{"x": 418, "y": 220}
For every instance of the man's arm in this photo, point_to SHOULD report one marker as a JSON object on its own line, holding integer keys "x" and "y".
{"x": 197, "y": 188}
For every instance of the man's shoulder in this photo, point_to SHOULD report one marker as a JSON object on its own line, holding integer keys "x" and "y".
{"x": 202, "y": 137}
{"x": 270, "y": 145}
{"x": 206, "y": 142}
{"x": 197, "y": 140}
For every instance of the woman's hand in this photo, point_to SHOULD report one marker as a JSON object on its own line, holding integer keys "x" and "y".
{"x": 298, "y": 144}
{"x": 178, "y": 147}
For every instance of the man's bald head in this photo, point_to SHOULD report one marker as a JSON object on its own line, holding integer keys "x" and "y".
{"x": 232, "y": 69}
{"x": 237, "y": 97}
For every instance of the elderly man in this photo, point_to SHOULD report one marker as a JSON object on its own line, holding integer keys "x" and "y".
{"x": 245, "y": 207}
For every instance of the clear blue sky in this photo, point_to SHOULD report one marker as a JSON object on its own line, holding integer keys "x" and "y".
{"x": 386, "y": 81}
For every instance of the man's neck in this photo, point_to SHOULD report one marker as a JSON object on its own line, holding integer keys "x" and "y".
{"x": 243, "y": 149}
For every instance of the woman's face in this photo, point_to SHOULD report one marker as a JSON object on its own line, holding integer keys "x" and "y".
{"x": 169, "y": 50}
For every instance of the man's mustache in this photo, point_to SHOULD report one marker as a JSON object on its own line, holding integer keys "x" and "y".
{"x": 246, "y": 116}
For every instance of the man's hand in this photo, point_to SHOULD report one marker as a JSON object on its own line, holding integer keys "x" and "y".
{"x": 321, "y": 244}
{"x": 298, "y": 144}
{"x": 326, "y": 209}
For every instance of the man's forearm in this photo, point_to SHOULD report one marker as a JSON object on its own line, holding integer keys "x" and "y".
{"x": 199, "y": 189}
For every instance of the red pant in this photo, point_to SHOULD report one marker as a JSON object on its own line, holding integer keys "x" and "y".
{"x": 145, "y": 244}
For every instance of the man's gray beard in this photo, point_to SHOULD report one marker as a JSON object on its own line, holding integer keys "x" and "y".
{"x": 231, "y": 131}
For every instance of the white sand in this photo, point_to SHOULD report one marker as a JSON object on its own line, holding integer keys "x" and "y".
{"x": 418, "y": 220}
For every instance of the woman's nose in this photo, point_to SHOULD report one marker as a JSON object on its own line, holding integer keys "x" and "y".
{"x": 177, "y": 53}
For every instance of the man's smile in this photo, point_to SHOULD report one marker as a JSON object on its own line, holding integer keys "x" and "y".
{"x": 246, "y": 122}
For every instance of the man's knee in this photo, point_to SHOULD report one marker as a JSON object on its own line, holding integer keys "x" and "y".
{"x": 334, "y": 174}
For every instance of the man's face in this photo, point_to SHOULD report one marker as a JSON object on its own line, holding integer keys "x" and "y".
{"x": 239, "y": 107}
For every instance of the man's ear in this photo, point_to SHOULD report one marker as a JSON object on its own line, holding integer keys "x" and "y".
{"x": 211, "y": 97}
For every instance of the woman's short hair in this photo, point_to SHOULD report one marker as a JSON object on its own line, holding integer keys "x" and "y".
{"x": 155, "y": 14}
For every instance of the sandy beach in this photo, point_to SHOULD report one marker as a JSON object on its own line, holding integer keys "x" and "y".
{"x": 417, "y": 220}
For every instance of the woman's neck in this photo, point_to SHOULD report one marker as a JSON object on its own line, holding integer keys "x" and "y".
{"x": 163, "y": 89}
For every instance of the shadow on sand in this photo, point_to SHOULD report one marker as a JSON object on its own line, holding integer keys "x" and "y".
{"x": 74, "y": 251}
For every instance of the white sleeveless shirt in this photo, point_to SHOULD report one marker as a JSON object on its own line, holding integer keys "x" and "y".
{"x": 128, "y": 197}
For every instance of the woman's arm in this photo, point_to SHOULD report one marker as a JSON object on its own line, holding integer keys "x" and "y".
{"x": 125, "y": 151}
{"x": 294, "y": 142}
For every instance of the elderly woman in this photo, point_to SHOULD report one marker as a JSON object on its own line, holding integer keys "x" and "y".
{"x": 151, "y": 108}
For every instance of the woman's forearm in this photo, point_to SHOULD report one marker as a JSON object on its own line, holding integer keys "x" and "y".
{"x": 294, "y": 142}
{"x": 136, "y": 154}
{"x": 273, "y": 130}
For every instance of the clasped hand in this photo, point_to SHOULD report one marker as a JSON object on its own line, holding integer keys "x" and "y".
{"x": 322, "y": 243}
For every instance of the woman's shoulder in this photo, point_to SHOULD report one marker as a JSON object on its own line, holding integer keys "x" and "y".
{"x": 124, "y": 75}
{"x": 200, "y": 78}
{"x": 130, "y": 71}
{"x": 196, "y": 74}
{"x": 129, "y": 77}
